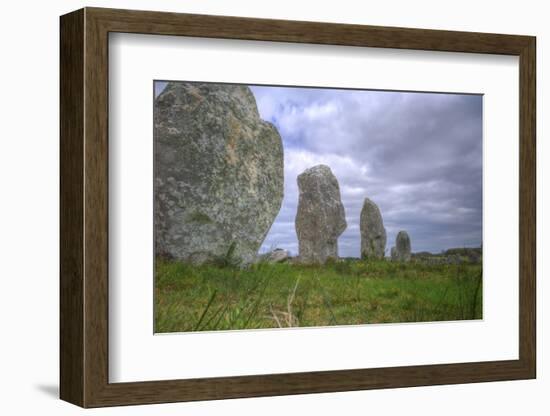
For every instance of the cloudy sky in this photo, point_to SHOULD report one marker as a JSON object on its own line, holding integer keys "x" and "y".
{"x": 418, "y": 156}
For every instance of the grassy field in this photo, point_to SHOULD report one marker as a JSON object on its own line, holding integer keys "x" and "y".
{"x": 347, "y": 292}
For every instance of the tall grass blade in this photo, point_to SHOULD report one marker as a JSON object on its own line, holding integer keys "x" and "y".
{"x": 205, "y": 311}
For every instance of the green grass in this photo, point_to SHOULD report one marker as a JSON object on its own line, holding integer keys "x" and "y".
{"x": 223, "y": 296}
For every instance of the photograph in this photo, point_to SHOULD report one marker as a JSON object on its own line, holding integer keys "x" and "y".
{"x": 303, "y": 206}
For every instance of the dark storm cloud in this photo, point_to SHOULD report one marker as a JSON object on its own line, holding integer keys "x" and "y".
{"x": 417, "y": 155}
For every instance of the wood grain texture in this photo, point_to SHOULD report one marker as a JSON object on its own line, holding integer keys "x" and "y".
{"x": 527, "y": 207}
{"x": 84, "y": 207}
{"x": 71, "y": 207}
{"x": 96, "y": 219}
{"x": 225, "y": 27}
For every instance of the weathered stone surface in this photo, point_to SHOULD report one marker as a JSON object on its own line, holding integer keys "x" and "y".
{"x": 321, "y": 216}
{"x": 276, "y": 256}
{"x": 373, "y": 233}
{"x": 218, "y": 172}
{"x": 402, "y": 247}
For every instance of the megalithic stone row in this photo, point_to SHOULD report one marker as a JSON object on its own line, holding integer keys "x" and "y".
{"x": 402, "y": 247}
{"x": 373, "y": 233}
{"x": 218, "y": 172}
{"x": 321, "y": 218}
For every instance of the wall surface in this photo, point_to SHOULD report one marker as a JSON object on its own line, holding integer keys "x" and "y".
{"x": 29, "y": 210}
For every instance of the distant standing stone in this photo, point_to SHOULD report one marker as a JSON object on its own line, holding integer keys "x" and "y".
{"x": 321, "y": 216}
{"x": 276, "y": 256}
{"x": 218, "y": 172}
{"x": 402, "y": 247}
{"x": 373, "y": 233}
{"x": 393, "y": 254}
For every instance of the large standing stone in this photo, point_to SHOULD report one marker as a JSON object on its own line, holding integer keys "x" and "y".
{"x": 218, "y": 172}
{"x": 321, "y": 217}
{"x": 373, "y": 233}
{"x": 402, "y": 247}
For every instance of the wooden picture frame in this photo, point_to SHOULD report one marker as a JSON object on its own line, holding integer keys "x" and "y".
{"x": 84, "y": 207}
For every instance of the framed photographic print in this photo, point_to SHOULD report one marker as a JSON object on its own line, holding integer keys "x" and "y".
{"x": 255, "y": 207}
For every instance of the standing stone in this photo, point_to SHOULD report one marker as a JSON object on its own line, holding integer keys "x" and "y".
{"x": 321, "y": 217}
{"x": 373, "y": 233}
{"x": 393, "y": 254}
{"x": 218, "y": 172}
{"x": 276, "y": 256}
{"x": 402, "y": 247}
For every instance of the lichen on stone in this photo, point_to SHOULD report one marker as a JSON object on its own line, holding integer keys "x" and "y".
{"x": 218, "y": 172}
